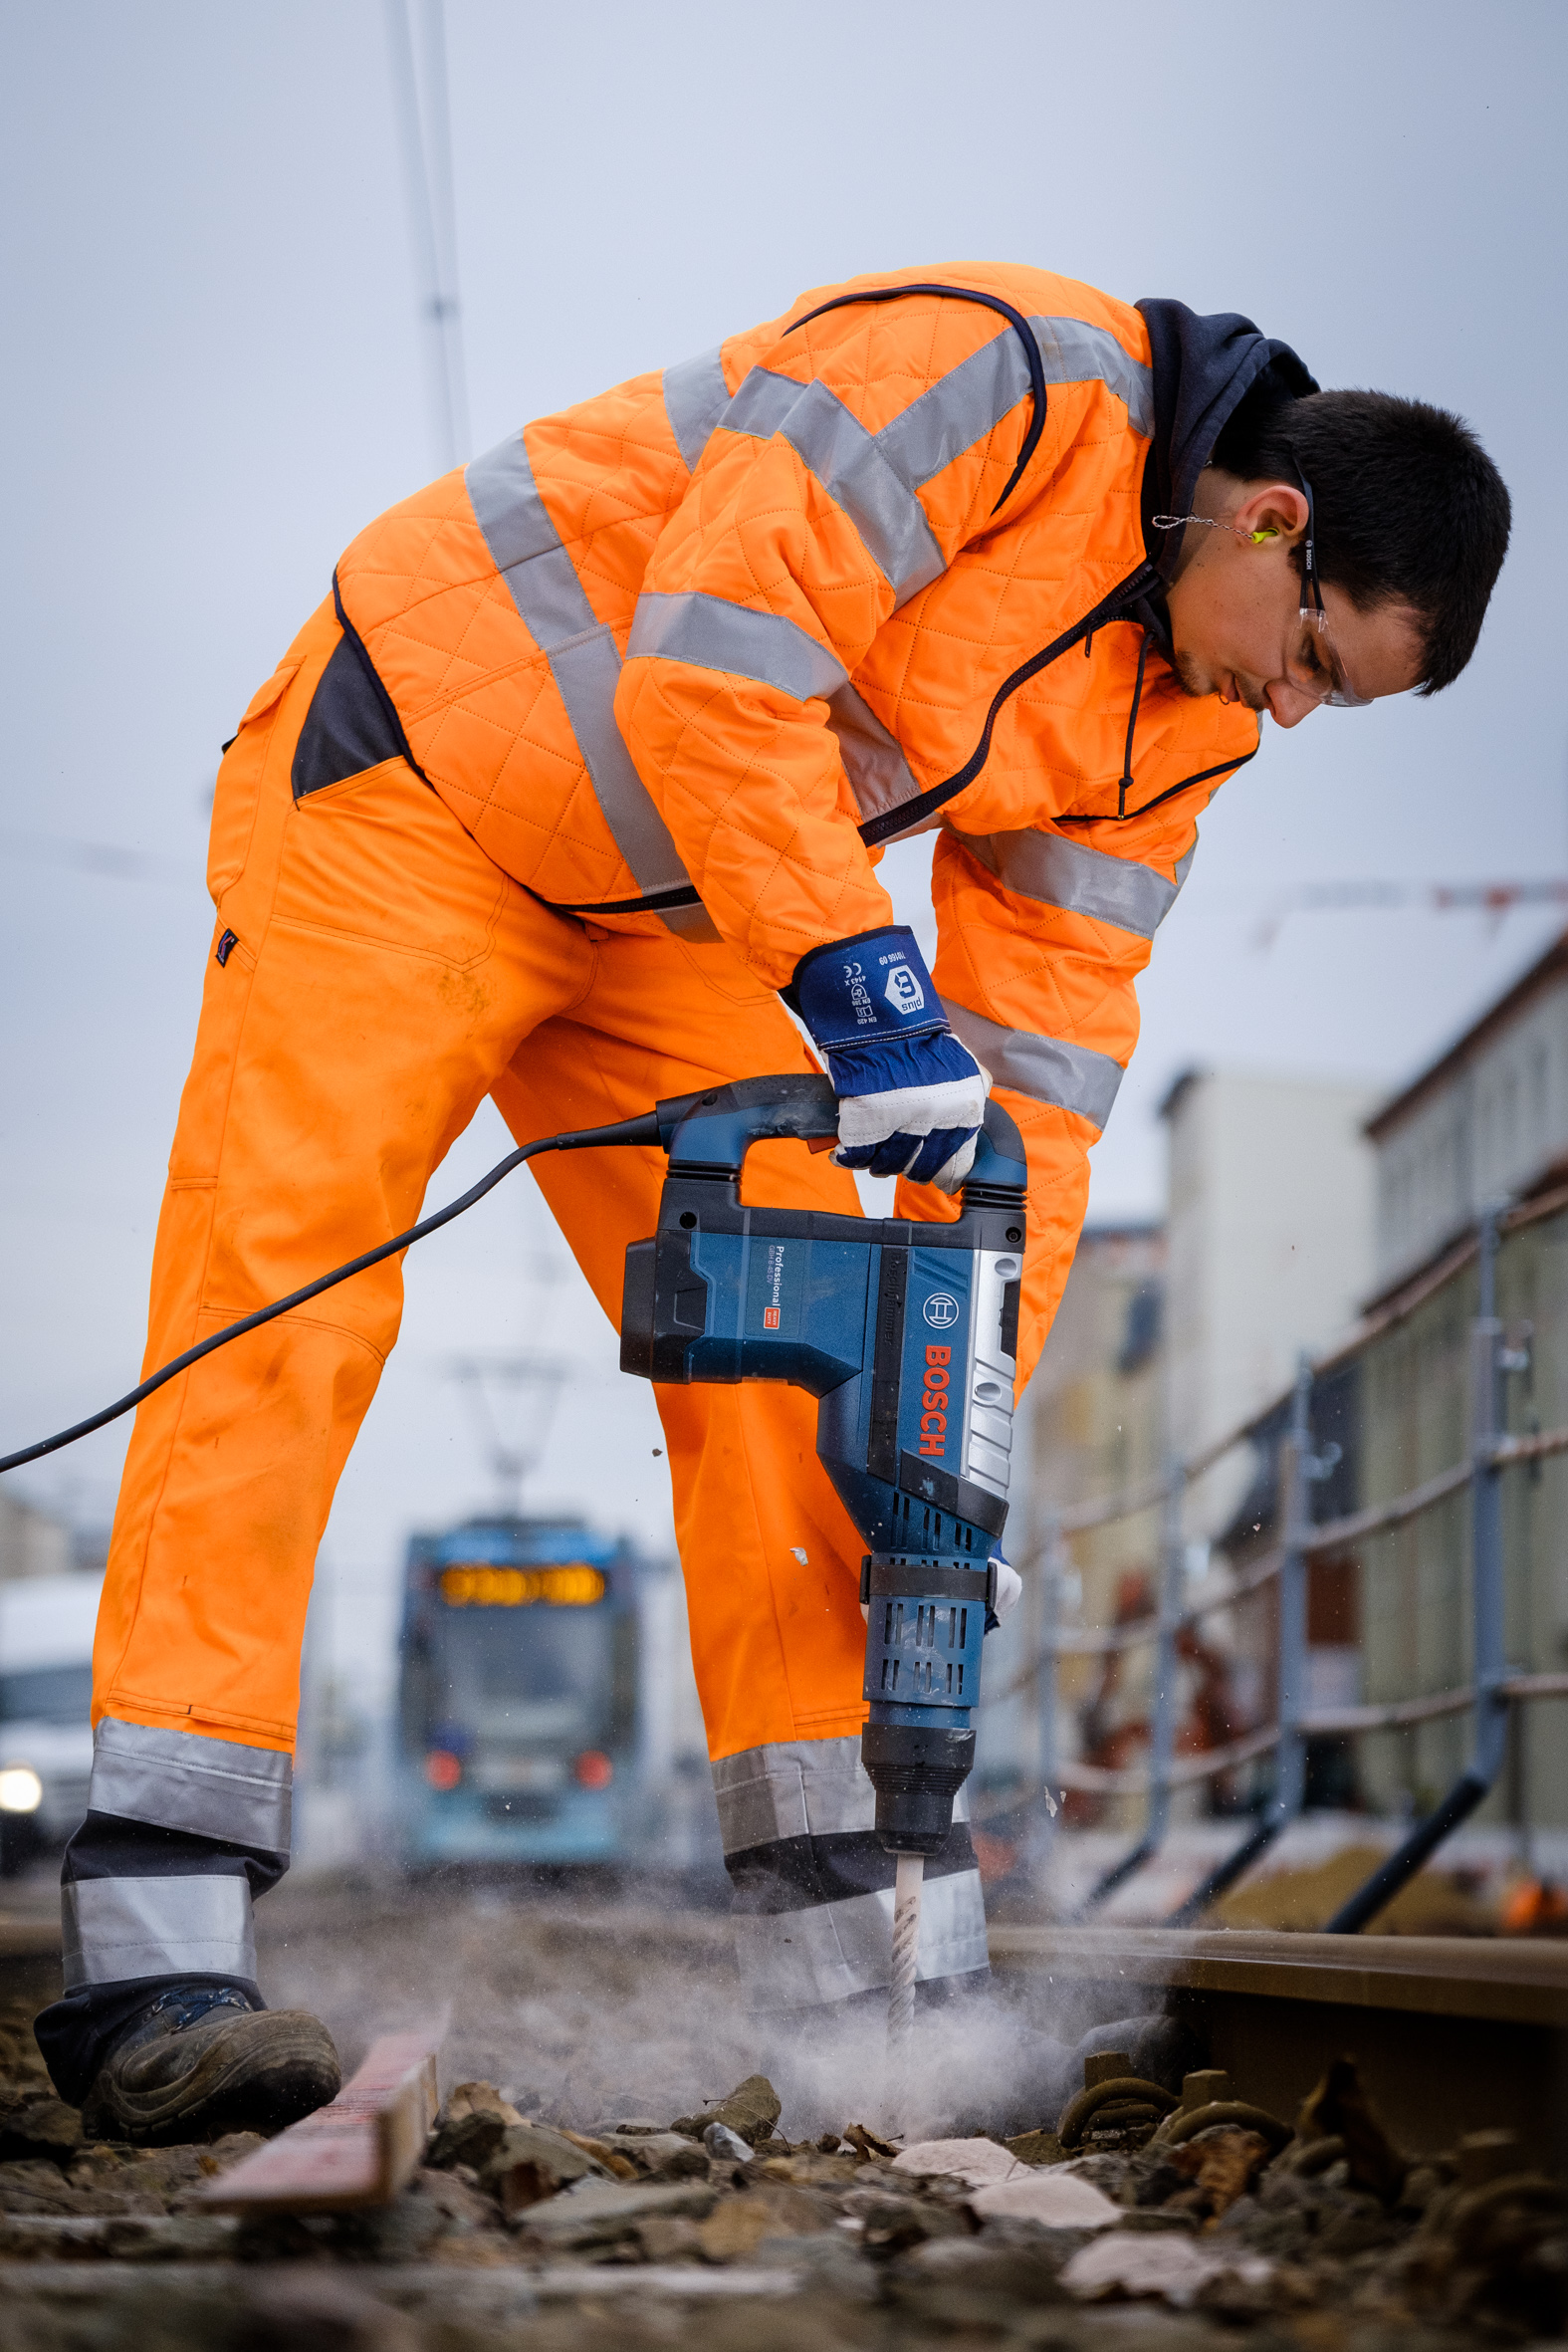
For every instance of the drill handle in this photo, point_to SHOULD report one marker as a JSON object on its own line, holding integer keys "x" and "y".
{"x": 1000, "y": 1173}
{"x": 710, "y": 1134}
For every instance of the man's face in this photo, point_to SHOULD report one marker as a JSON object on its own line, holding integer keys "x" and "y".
{"x": 1236, "y": 608}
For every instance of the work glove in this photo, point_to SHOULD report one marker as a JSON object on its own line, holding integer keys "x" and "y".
{"x": 909, "y": 1097}
{"x": 1009, "y": 1586}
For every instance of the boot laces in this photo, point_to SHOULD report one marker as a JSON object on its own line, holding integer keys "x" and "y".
{"x": 187, "y": 2004}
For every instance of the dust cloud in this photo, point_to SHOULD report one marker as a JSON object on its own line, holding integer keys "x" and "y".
{"x": 588, "y": 2010}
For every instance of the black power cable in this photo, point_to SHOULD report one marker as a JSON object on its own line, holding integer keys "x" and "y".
{"x": 645, "y": 1130}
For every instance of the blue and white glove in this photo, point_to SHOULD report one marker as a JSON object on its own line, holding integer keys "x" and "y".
{"x": 909, "y": 1097}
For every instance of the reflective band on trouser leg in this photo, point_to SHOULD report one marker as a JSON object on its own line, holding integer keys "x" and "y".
{"x": 159, "y": 1879}
{"x": 119, "y": 1928}
{"x": 583, "y": 661}
{"x": 814, "y": 1887}
{"x": 215, "y": 1788}
{"x": 695, "y": 397}
{"x": 1080, "y": 880}
{"x": 1073, "y": 1078}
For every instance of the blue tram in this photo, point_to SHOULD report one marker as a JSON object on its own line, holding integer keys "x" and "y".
{"x": 522, "y": 1728}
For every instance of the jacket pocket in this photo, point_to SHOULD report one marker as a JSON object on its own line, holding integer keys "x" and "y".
{"x": 377, "y": 857}
{"x": 239, "y": 782}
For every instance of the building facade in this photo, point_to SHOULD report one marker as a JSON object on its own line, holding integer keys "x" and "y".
{"x": 1487, "y": 1121}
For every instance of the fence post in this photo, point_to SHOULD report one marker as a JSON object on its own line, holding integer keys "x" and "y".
{"x": 1052, "y": 1558}
{"x": 1488, "y": 1663}
{"x": 1162, "y": 1731}
{"x": 1489, "y": 1735}
{"x": 1297, "y": 1468}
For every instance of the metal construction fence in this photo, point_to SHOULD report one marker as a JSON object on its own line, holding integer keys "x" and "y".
{"x": 1489, "y": 1694}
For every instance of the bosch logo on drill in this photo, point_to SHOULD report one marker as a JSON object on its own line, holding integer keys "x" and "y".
{"x": 940, "y": 1310}
{"x": 934, "y": 1404}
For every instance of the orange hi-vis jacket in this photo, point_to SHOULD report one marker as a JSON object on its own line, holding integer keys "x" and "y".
{"x": 690, "y": 653}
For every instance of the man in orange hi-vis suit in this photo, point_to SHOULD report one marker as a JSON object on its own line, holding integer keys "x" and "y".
{"x": 574, "y": 782}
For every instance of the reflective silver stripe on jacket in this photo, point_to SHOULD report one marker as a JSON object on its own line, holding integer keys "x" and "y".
{"x": 583, "y": 662}
{"x": 180, "y": 1780}
{"x": 831, "y": 1951}
{"x": 1073, "y": 1078}
{"x": 695, "y": 397}
{"x": 1076, "y": 353}
{"x": 854, "y": 467}
{"x": 880, "y": 775}
{"x": 1079, "y": 880}
{"x": 116, "y": 1928}
{"x": 712, "y": 633}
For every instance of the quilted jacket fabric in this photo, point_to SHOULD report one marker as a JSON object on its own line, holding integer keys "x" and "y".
{"x": 688, "y": 653}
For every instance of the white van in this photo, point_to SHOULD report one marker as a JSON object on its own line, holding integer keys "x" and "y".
{"x": 46, "y": 1693}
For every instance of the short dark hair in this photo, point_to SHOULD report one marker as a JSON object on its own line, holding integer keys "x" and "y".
{"x": 1409, "y": 507}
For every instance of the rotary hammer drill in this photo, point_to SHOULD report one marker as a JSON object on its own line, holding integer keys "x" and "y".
{"x": 908, "y": 1335}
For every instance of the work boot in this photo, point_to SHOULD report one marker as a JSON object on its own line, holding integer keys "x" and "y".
{"x": 201, "y": 2061}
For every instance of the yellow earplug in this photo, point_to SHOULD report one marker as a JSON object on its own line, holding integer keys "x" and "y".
{"x": 1257, "y": 537}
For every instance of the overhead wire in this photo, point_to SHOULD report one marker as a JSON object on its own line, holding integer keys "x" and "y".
{"x": 425, "y": 137}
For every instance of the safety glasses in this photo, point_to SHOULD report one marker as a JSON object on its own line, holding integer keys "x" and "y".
{"x": 1316, "y": 667}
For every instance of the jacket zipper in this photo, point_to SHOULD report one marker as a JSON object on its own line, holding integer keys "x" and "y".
{"x": 907, "y": 813}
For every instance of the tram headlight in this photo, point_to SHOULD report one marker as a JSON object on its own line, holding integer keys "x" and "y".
{"x": 21, "y": 1790}
{"x": 442, "y": 1768}
{"x": 594, "y": 1768}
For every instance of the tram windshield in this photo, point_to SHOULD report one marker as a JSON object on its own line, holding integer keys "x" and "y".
{"x": 526, "y": 1674}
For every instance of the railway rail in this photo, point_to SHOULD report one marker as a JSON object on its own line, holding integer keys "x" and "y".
{"x": 1451, "y": 2033}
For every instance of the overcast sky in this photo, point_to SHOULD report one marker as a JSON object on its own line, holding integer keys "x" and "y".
{"x": 214, "y": 376}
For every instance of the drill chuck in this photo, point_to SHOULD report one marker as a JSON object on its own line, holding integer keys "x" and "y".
{"x": 917, "y": 1771}
{"x": 925, "y": 1622}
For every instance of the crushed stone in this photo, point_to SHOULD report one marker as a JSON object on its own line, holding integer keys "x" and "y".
{"x": 560, "y": 2209}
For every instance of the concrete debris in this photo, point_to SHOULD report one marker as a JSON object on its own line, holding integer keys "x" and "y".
{"x": 974, "y": 2162}
{"x": 470, "y": 2126}
{"x": 598, "y": 2213}
{"x": 1132, "y": 2263}
{"x": 750, "y": 2110}
{"x": 41, "y": 2126}
{"x": 1056, "y": 2199}
{"x": 530, "y": 2162}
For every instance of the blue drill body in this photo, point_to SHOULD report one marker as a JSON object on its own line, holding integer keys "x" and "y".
{"x": 908, "y": 1335}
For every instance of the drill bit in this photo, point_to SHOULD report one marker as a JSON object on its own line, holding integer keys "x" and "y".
{"x": 908, "y": 1879}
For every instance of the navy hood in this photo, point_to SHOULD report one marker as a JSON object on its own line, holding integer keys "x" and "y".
{"x": 1204, "y": 368}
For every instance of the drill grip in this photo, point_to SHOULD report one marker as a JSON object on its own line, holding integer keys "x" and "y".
{"x": 710, "y": 1134}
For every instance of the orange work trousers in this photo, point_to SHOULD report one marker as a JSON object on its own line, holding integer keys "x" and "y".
{"x": 374, "y": 976}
